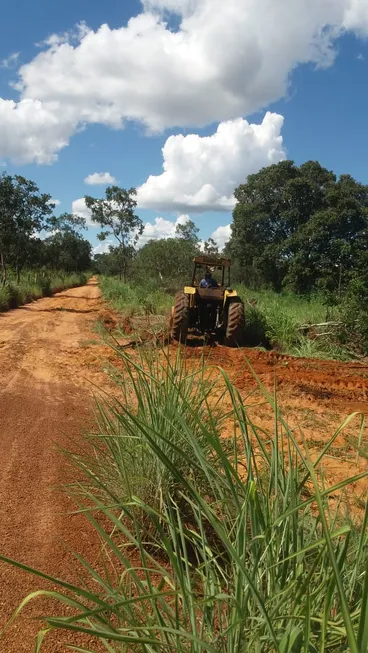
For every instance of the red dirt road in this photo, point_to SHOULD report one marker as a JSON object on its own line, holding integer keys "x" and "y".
{"x": 41, "y": 407}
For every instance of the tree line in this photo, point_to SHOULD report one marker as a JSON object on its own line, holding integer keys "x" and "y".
{"x": 295, "y": 228}
{"x": 26, "y": 213}
{"x": 163, "y": 261}
{"x": 301, "y": 228}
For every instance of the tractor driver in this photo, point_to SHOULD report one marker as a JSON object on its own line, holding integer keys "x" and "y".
{"x": 208, "y": 281}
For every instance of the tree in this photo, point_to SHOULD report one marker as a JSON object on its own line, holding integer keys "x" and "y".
{"x": 168, "y": 261}
{"x": 187, "y": 231}
{"x": 67, "y": 223}
{"x": 67, "y": 250}
{"x": 117, "y": 218}
{"x": 23, "y": 211}
{"x": 210, "y": 248}
{"x": 299, "y": 226}
{"x": 107, "y": 263}
{"x": 328, "y": 248}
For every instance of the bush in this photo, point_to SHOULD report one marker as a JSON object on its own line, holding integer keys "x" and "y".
{"x": 246, "y": 551}
{"x": 45, "y": 285}
{"x": 4, "y": 298}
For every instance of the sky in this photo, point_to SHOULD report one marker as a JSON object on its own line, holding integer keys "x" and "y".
{"x": 181, "y": 99}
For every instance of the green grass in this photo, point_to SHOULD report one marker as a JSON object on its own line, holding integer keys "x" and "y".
{"x": 164, "y": 406}
{"x": 298, "y": 310}
{"x": 130, "y": 299}
{"x": 237, "y": 548}
{"x": 35, "y": 285}
{"x": 283, "y": 314}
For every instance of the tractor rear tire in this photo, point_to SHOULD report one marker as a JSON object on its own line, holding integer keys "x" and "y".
{"x": 235, "y": 324}
{"x": 180, "y": 318}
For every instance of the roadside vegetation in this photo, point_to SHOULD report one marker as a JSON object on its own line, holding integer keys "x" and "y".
{"x": 35, "y": 285}
{"x": 293, "y": 324}
{"x": 213, "y": 544}
{"x": 135, "y": 299}
{"x": 40, "y": 253}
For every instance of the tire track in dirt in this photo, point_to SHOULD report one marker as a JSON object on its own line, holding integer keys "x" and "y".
{"x": 343, "y": 386}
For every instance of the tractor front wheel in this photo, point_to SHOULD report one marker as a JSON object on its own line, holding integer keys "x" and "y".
{"x": 235, "y": 324}
{"x": 180, "y": 317}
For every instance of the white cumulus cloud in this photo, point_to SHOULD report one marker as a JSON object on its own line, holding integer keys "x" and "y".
{"x": 55, "y": 202}
{"x": 103, "y": 248}
{"x": 226, "y": 59}
{"x": 180, "y": 7}
{"x": 160, "y": 228}
{"x": 100, "y": 179}
{"x": 33, "y": 131}
{"x": 221, "y": 235}
{"x": 200, "y": 173}
{"x": 79, "y": 208}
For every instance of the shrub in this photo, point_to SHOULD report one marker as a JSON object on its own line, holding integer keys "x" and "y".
{"x": 4, "y": 298}
{"x": 45, "y": 285}
{"x": 171, "y": 402}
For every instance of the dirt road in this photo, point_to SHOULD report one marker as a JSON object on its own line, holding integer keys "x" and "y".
{"x": 41, "y": 406}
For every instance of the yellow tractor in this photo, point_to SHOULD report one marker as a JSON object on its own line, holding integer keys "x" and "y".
{"x": 209, "y": 307}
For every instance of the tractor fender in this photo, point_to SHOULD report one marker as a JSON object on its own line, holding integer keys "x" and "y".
{"x": 229, "y": 294}
{"x": 191, "y": 291}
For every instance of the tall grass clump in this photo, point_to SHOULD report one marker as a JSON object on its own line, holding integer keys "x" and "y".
{"x": 219, "y": 537}
{"x": 281, "y": 321}
{"x": 285, "y": 313}
{"x": 300, "y": 309}
{"x": 256, "y": 331}
{"x": 166, "y": 399}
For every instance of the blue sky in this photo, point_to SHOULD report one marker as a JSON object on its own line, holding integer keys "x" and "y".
{"x": 323, "y": 98}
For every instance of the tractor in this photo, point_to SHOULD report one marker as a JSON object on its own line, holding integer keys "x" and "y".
{"x": 215, "y": 311}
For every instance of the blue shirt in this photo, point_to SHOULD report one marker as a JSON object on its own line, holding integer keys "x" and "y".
{"x": 208, "y": 283}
